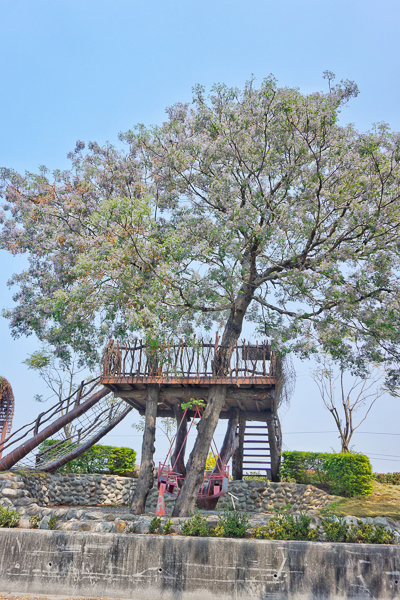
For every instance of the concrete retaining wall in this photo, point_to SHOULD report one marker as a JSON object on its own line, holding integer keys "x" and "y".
{"x": 145, "y": 567}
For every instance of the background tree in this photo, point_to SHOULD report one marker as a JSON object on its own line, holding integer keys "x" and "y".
{"x": 60, "y": 376}
{"x": 249, "y": 204}
{"x": 356, "y": 397}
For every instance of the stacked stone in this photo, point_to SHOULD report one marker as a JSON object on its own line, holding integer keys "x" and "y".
{"x": 13, "y": 492}
{"x": 79, "y": 490}
{"x": 256, "y": 496}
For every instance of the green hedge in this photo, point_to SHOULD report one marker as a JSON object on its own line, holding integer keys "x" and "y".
{"x": 98, "y": 459}
{"x": 390, "y": 478}
{"x": 344, "y": 474}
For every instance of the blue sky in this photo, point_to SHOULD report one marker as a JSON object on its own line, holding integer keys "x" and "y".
{"x": 87, "y": 69}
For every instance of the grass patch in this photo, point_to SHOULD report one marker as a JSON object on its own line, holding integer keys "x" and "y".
{"x": 383, "y": 502}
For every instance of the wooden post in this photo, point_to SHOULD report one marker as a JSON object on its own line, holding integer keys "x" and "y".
{"x": 237, "y": 459}
{"x": 273, "y": 447}
{"x": 180, "y": 443}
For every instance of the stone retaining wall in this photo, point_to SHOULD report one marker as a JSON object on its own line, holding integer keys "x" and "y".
{"x": 60, "y": 489}
{"x": 76, "y": 490}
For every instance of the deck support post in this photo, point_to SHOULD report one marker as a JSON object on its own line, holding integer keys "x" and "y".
{"x": 180, "y": 443}
{"x": 273, "y": 446}
{"x": 146, "y": 473}
{"x": 237, "y": 459}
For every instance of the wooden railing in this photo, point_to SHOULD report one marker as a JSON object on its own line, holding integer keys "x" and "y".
{"x": 186, "y": 361}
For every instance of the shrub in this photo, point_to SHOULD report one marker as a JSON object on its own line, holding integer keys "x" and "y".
{"x": 167, "y": 527}
{"x": 34, "y": 521}
{"x": 286, "y": 526}
{"x": 336, "y": 530}
{"x": 155, "y": 524}
{"x": 388, "y": 478}
{"x": 98, "y": 459}
{"x": 52, "y": 522}
{"x": 197, "y": 525}
{"x": 8, "y": 517}
{"x": 210, "y": 462}
{"x": 303, "y": 467}
{"x": 232, "y": 524}
{"x": 345, "y": 474}
{"x": 349, "y": 474}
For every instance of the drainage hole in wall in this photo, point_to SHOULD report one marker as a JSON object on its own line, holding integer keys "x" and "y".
{"x": 50, "y": 564}
{"x": 275, "y": 575}
{"x": 396, "y": 581}
{"x": 160, "y": 570}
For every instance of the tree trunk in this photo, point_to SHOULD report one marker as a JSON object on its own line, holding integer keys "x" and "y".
{"x": 186, "y": 501}
{"x": 178, "y": 455}
{"x": 237, "y": 459}
{"x": 228, "y": 448}
{"x": 273, "y": 447}
{"x": 146, "y": 473}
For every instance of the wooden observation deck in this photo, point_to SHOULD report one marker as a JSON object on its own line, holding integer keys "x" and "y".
{"x": 184, "y": 372}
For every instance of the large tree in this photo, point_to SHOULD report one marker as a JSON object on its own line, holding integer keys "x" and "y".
{"x": 247, "y": 204}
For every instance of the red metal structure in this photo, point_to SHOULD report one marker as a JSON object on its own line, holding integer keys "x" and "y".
{"x": 6, "y": 410}
{"x": 215, "y": 483}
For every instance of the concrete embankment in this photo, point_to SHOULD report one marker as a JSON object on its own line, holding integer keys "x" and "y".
{"x": 146, "y": 567}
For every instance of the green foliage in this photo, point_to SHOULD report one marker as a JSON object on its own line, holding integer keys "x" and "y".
{"x": 52, "y": 522}
{"x": 155, "y": 524}
{"x": 193, "y": 404}
{"x": 98, "y": 459}
{"x": 349, "y": 474}
{"x": 8, "y": 517}
{"x": 336, "y": 530}
{"x": 197, "y": 525}
{"x": 344, "y": 474}
{"x": 34, "y": 521}
{"x": 37, "y": 360}
{"x": 167, "y": 527}
{"x": 255, "y": 476}
{"x": 388, "y": 478}
{"x": 131, "y": 529}
{"x": 286, "y": 526}
{"x": 232, "y": 524}
{"x": 303, "y": 467}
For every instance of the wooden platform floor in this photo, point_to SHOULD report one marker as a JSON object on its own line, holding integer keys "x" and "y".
{"x": 253, "y": 395}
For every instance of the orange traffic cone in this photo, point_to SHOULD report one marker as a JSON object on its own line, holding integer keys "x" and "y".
{"x": 161, "y": 502}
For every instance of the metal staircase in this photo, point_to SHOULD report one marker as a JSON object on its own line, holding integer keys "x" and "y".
{"x": 256, "y": 451}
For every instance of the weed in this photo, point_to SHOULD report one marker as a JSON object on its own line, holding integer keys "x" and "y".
{"x": 34, "y": 521}
{"x": 197, "y": 525}
{"x": 155, "y": 524}
{"x": 52, "y": 522}
{"x": 335, "y": 529}
{"x": 167, "y": 527}
{"x": 8, "y": 517}
{"x": 232, "y": 524}
{"x": 286, "y": 526}
{"x": 366, "y": 533}
{"x": 131, "y": 529}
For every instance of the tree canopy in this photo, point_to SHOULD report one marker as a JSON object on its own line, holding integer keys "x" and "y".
{"x": 249, "y": 204}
